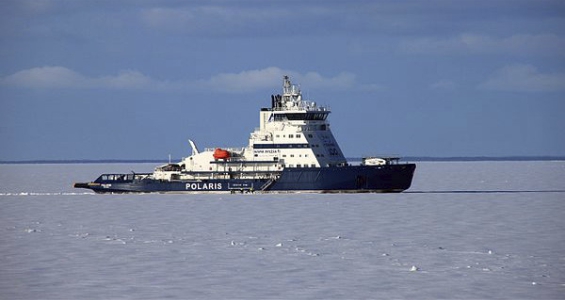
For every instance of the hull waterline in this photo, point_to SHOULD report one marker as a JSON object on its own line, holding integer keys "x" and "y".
{"x": 349, "y": 179}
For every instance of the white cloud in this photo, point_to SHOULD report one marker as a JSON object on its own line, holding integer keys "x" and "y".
{"x": 128, "y": 79}
{"x": 271, "y": 77}
{"x": 167, "y": 18}
{"x": 443, "y": 84}
{"x": 212, "y": 19}
{"x": 55, "y": 77}
{"x": 246, "y": 80}
{"x": 549, "y": 44}
{"x": 46, "y": 77}
{"x": 37, "y": 6}
{"x": 523, "y": 77}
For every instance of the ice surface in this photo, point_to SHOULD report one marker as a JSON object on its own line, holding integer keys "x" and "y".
{"x": 464, "y": 230}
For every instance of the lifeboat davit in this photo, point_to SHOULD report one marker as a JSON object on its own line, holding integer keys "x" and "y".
{"x": 221, "y": 154}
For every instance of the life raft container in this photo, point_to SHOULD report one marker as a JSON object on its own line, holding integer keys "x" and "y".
{"x": 221, "y": 154}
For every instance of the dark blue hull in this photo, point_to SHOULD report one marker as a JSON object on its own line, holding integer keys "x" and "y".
{"x": 353, "y": 179}
{"x": 387, "y": 178}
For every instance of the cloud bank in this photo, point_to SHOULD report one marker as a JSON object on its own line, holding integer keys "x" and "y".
{"x": 61, "y": 77}
{"x": 58, "y": 77}
{"x": 548, "y": 44}
{"x": 524, "y": 78}
{"x": 444, "y": 84}
{"x": 517, "y": 78}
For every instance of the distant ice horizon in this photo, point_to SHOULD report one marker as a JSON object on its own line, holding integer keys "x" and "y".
{"x": 349, "y": 159}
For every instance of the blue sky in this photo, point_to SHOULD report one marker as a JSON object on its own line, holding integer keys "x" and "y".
{"x": 136, "y": 79}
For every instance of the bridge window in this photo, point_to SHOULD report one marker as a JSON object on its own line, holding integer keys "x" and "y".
{"x": 114, "y": 177}
{"x": 318, "y": 116}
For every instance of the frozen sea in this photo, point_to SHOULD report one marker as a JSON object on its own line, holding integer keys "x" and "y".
{"x": 465, "y": 230}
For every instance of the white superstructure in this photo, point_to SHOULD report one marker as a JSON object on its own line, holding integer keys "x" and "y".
{"x": 292, "y": 133}
{"x": 295, "y": 132}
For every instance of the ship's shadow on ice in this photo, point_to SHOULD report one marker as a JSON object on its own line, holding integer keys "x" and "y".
{"x": 485, "y": 192}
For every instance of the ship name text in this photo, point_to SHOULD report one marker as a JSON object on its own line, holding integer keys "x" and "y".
{"x": 195, "y": 186}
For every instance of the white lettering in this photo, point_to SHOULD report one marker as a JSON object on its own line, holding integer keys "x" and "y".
{"x": 257, "y": 151}
{"x": 197, "y": 186}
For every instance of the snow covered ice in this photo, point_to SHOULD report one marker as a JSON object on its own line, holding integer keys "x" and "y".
{"x": 465, "y": 230}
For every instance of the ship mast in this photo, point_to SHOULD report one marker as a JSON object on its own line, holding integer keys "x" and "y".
{"x": 291, "y": 96}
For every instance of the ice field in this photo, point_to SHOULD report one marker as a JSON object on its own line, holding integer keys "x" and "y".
{"x": 464, "y": 230}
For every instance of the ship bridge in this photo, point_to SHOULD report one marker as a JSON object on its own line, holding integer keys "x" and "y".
{"x": 291, "y": 100}
{"x": 298, "y": 116}
{"x": 295, "y": 132}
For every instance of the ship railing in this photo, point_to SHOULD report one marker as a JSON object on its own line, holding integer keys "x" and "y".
{"x": 302, "y": 106}
{"x": 388, "y": 159}
{"x": 123, "y": 177}
{"x": 204, "y": 175}
{"x": 262, "y": 136}
{"x": 269, "y": 183}
{"x": 232, "y": 149}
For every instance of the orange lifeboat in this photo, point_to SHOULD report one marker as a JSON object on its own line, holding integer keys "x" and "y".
{"x": 221, "y": 154}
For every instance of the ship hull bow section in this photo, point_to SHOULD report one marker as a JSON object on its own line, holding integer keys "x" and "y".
{"x": 179, "y": 186}
{"x": 353, "y": 179}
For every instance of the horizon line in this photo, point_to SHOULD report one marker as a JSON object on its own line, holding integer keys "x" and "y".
{"x": 407, "y": 158}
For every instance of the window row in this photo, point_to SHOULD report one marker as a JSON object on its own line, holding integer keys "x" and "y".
{"x": 300, "y": 166}
{"x": 298, "y": 135}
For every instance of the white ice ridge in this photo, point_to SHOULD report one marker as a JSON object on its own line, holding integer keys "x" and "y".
{"x": 46, "y": 194}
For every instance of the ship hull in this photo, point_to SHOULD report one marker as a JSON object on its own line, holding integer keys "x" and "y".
{"x": 347, "y": 179}
{"x": 387, "y": 178}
